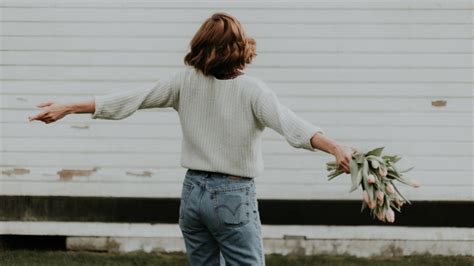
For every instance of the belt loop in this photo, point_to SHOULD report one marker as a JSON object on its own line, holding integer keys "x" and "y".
{"x": 205, "y": 177}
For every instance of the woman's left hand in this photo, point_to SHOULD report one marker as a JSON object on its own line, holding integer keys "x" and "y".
{"x": 343, "y": 154}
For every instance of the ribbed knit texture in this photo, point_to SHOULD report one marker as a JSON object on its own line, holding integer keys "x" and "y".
{"x": 221, "y": 120}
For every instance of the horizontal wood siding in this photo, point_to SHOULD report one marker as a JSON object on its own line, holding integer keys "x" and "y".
{"x": 396, "y": 74}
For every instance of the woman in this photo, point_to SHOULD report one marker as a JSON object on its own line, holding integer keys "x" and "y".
{"x": 223, "y": 113}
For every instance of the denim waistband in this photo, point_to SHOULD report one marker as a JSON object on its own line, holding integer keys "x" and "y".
{"x": 210, "y": 173}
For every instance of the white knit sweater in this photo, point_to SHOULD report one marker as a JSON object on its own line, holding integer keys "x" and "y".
{"x": 221, "y": 120}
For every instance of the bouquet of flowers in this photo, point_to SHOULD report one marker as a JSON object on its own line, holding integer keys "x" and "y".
{"x": 376, "y": 174}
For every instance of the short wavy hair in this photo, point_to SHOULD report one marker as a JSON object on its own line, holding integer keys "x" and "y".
{"x": 220, "y": 47}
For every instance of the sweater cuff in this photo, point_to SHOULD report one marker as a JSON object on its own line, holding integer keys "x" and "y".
{"x": 313, "y": 130}
{"x": 99, "y": 106}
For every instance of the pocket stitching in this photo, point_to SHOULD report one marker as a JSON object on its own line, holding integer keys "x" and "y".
{"x": 243, "y": 207}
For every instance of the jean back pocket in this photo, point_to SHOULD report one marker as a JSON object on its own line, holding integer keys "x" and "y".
{"x": 232, "y": 207}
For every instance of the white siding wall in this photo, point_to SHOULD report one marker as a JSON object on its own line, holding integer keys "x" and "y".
{"x": 370, "y": 73}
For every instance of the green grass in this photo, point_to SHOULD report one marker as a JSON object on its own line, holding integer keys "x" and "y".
{"x": 52, "y": 258}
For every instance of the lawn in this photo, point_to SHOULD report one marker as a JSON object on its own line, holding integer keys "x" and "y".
{"x": 52, "y": 258}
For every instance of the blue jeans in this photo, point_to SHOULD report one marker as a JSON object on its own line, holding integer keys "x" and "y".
{"x": 219, "y": 220}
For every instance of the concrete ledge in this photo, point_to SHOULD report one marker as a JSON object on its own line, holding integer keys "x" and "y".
{"x": 362, "y": 241}
{"x": 301, "y": 246}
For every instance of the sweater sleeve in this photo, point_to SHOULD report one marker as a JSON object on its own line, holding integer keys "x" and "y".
{"x": 271, "y": 113}
{"x": 119, "y": 105}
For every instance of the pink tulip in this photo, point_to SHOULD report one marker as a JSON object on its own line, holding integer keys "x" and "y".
{"x": 399, "y": 202}
{"x": 380, "y": 215}
{"x": 390, "y": 215}
{"x": 379, "y": 195}
{"x": 390, "y": 189}
{"x": 371, "y": 179}
{"x": 415, "y": 183}
{"x": 371, "y": 204}
{"x": 365, "y": 196}
{"x": 382, "y": 171}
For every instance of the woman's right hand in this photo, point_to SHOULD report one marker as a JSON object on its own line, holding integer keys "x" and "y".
{"x": 343, "y": 154}
{"x": 52, "y": 111}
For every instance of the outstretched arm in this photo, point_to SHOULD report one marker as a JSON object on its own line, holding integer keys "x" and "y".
{"x": 271, "y": 113}
{"x": 122, "y": 104}
{"x": 113, "y": 106}
{"x": 298, "y": 132}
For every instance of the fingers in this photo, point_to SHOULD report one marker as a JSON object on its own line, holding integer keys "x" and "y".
{"x": 345, "y": 166}
{"x": 44, "y": 104}
{"x": 39, "y": 116}
{"x": 345, "y": 162}
{"x": 345, "y": 169}
{"x": 344, "y": 157}
{"x": 43, "y": 119}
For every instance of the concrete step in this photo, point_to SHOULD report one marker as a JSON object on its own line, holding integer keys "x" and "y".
{"x": 361, "y": 241}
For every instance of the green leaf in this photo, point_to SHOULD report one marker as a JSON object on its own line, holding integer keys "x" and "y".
{"x": 376, "y": 151}
{"x": 365, "y": 169}
{"x": 396, "y": 159}
{"x": 392, "y": 159}
{"x": 356, "y": 182}
{"x": 390, "y": 176}
{"x": 406, "y": 170}
{"x": 333, "y": 175}
{"x": 399, "y": 193}
{"x": 371, "y": 192}
{"x": 353, "y": 167}
{"x": 375, "y": 161}
{"x": 393, "y": 173}
{"x": 355, "y": 171}
{"x": 394, "y": 206}
{"x": 403, "y": 180}
{"x": 359, "y": 158}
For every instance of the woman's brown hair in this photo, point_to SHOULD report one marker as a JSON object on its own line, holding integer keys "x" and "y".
{"x": 220, "y": 47}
